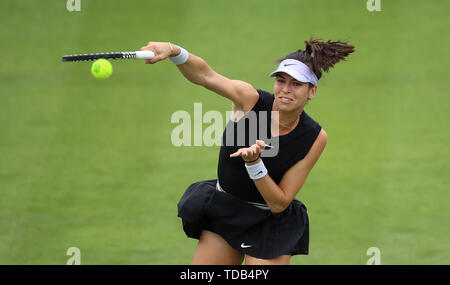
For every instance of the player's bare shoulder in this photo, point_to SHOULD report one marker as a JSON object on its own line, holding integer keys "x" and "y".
{"x": 322, "y": 139}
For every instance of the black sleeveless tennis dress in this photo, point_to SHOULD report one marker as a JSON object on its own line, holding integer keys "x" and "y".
{"x": 232, "y": 206}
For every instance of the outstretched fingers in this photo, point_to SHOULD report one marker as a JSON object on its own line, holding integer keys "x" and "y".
{"x": 237, "y": 153}
{"x": 250, "y": 153}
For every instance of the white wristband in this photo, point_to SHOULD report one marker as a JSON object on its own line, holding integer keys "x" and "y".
{"x": 256, "y": 171}
{"x": 181, "y": 58}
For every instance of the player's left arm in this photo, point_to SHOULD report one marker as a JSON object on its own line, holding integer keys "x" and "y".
{"x": 278, "y": 197}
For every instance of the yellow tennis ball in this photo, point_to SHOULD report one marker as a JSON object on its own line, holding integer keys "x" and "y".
{"x": 101, "y": 68}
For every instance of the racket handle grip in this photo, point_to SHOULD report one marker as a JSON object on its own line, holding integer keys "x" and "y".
{"x": 145, "y": 54}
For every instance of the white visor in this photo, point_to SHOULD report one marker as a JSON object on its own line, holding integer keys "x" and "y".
{"x": 297, "y": 69}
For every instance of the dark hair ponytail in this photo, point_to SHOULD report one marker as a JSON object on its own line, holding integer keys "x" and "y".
{"x": 320, "y": 55}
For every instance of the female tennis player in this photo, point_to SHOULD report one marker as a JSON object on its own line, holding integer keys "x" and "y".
{"x": 250, "y": 212}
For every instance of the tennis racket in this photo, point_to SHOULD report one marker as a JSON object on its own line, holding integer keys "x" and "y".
{"x": 144, "y": 54}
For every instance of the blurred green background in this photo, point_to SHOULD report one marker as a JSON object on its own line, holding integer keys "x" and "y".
{"x": 90, "y": 164}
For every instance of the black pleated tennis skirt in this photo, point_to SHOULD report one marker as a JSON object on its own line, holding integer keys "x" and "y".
{"x": 247, "y": 228}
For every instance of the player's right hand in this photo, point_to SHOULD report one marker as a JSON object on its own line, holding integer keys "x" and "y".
{"x": 162, "y": 50}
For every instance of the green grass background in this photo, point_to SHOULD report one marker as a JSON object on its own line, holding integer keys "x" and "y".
{"x": 90, "y": 163}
